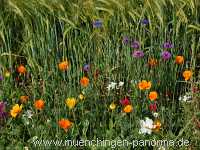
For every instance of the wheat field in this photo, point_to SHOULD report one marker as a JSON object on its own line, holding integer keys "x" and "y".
{"x": 99, "y": 69}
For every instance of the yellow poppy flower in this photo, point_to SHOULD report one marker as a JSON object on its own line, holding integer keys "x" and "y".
{"x": 112, "y": 106}
{"x": 70, "y": 102}
{"x": 16, "y": 109}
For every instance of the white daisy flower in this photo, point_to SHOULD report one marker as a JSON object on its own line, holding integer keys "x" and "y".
{"x": 155, "y": 115}
{"x": 186, "y": 98}
{"x": 111, "y": 86}
{"x": 121, "y": 84}
{"x": 146, "y": 126}
{"x": 29, "y": 114}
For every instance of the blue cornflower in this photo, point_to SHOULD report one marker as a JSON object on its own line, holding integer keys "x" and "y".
{"x": 97, "y": 24}
{"x": 145, "y": 21}
{"x": 86, "y": 67}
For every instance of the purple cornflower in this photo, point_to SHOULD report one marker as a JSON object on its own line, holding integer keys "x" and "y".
{"x": 3, "y": 112}
{"x": 125, "y": 40}
{"x": 135, "y": 44}
{"x": 168, "y": 45}
{"x": 97, "y": 24}
{"x": 145, "y": 21}
{"x": 86, "y": 67}
{"x": 137, "y": 53}
{"x": 166, "y": 55}
{"x": 1, "y": 78}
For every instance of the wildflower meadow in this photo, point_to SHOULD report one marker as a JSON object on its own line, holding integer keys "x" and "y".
{"x": 99, "y": 74}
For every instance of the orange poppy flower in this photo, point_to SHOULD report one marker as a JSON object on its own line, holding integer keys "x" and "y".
{"x": 84, "y": 81}
{"x": 153, "y": 95}
{"x": 179, "y": 60}
{"x": 128, "y": 108}
{"x": 65, "y": 124}
{"x": 23, "y": 99}
{"x": 21, "y": 69}
{"x": 187, "y": 74}
{"x": 144, "y": 85}
{"x": 152, "y": 62}
{"x": 63, "y": 66}
{"x": 39, "y": 104}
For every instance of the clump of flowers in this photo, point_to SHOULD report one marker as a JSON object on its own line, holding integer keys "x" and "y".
{"x": 16, "y": 109}
{"x": 144, "y": 85}
{"x": 70, "y": 102}
{"x": 39, "y": 104}
{"x": 84, "y": 81}
{"x": 127, "y": 105}
{"x": 63, "y": 66}
{"x": 187, "y": 74}
{"x": 65, "y": 124}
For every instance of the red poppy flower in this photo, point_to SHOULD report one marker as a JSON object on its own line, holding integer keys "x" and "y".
{"x": 153, "y": 107}
{"x": 125, "y": 101}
